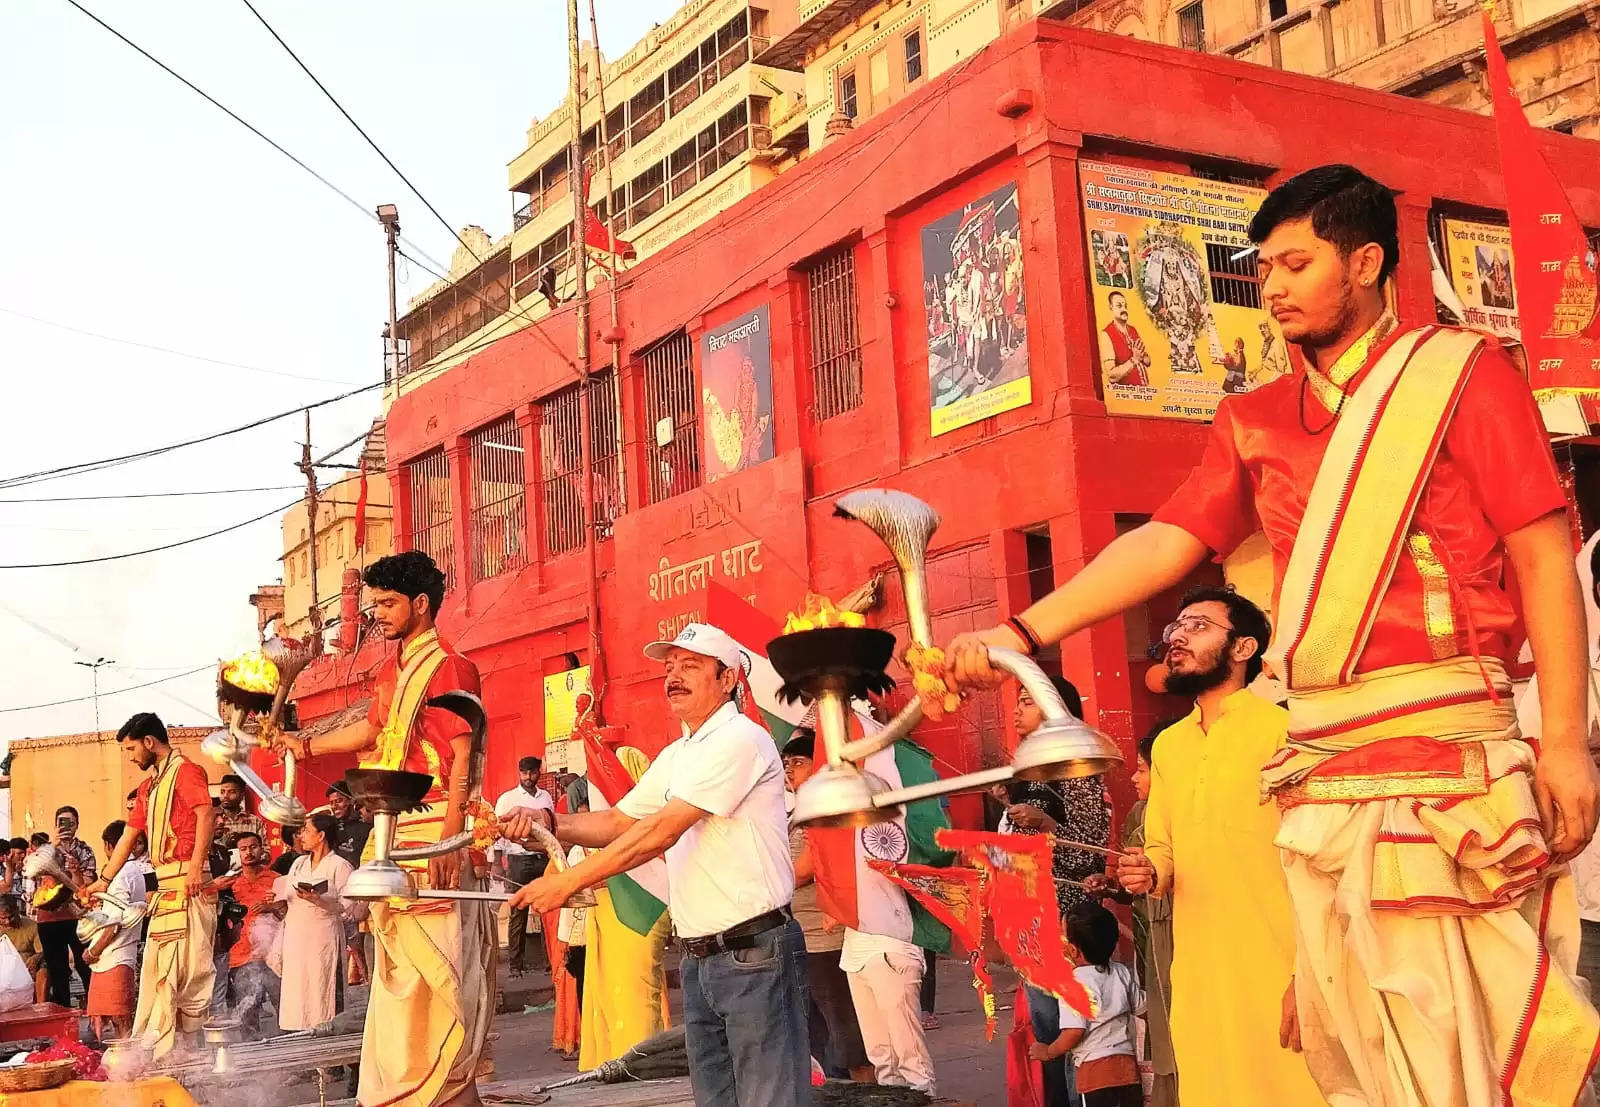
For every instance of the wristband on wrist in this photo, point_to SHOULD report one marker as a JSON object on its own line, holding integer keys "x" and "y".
{"x": 305, "y": 749}
{"x": 1030, "y": 640}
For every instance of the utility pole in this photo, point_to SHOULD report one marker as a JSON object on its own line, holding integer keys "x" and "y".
{"x": 310, "y": 470}
{"x": 94, "y": 668}
{"x": 615, "y": 258}
{"x": 389, "y": 216}
{"x": 580, "y": 261}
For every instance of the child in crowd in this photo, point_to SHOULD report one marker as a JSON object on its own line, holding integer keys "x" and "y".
{"x": 1101, "y": 1048}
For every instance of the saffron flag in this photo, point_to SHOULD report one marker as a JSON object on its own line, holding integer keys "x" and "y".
{"x": 597, "y": 236}
{"x": 1553, "y": 260}
{"x": 1021, "y": 900}
{"x": 954, "y": 896}
{"x": 361, "y": 513}
{"x": 639, "y": 895}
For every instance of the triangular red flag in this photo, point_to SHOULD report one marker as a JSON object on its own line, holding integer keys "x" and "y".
{"x": 1554, "y": 262}
{"x": 604, "y": 768}
{"x": 597, "y": 236}
{"x": 361, "y": 514}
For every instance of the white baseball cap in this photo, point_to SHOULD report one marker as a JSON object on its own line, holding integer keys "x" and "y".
{"x": 703, "y": 639}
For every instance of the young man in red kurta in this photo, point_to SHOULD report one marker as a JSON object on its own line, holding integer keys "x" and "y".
{"x": 1394, "y": 475}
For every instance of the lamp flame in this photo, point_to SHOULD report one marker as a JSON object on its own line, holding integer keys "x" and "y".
{"x": 819, "y": 613}
{"x": 252, "y": 672}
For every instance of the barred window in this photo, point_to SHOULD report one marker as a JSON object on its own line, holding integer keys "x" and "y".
{"x": 562, "y": 452}
{"x": 672, "y": 417}
{"x": 429, "y": 481}
{"x": 1234, "y": 280}
{"x": 498, "y": 524}
{"x": 1192, "y": 26}
{"x": 835, "y": 334}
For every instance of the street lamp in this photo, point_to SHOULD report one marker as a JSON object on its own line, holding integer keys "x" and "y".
{"x": 94, "y": 668}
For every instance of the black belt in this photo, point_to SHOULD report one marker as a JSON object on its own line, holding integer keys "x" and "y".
{"x": 744, "y": 936}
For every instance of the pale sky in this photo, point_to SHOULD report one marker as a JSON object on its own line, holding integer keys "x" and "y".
{"x": 135, "y": 209}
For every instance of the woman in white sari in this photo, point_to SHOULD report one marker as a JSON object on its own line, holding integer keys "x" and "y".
{"x": 313, "y": 930}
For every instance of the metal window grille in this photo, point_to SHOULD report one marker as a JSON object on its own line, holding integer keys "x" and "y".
{"x": 1233, "y": 280}
{"x": 1192, "y": 26}
{"x": 847, "y": 95}
{"x": 913, "y": 56}
{"x": 672, "y": 417}
{"x": 429, "y": 480}
{"x": 835, "y": 334}
{"x": 561, "y": 447}
{"x": 498, "y": 524}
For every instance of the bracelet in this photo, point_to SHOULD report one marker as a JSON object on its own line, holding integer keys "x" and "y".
{"x": 1025, "y": 632}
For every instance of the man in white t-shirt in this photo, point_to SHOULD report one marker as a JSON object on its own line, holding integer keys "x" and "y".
{"x": 517, "y": 863}
{"x": 713, "y": 803}
{"x": 111, "y": 933}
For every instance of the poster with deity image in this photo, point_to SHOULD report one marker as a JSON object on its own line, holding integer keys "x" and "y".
{"x": 561, "y": 692}
{"x": 972, "y": 292}
{"x": 1177, "y": 303}
{"x": 736, "y": 394}
{"x": 1478, "y": 257}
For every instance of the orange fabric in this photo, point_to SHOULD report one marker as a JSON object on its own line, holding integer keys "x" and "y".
{"x": 191, "y": 792}
{"x": 567, "y": 1034}
{"x": 1415, "y": 754}
{"x": 434, "y": 727}
{"x": 254, "y": 892}
{"x": 111, "y": 993}
{"x": 1494, "y": 475}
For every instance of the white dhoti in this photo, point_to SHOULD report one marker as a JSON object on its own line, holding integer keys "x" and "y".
{"x": 176, "y": 977}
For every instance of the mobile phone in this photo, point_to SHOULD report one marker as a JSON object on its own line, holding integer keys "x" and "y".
{"x": 319, "y": 887}
{"x": 152, "y": 883}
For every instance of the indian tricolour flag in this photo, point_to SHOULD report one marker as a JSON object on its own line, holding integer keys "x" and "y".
{"x": 639, "y": 896}
{"x": 850, "y": 891}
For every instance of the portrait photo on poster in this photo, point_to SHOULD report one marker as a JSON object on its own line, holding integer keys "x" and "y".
{"x": 1178, "y": 312}
{"x": 973, "y": 295}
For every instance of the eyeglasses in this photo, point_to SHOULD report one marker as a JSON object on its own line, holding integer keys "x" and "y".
{"x": 1190, "y": 624}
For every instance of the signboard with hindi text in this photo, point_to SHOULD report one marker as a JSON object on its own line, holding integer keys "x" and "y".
{"x": 1478, "y": 259}
{"x": 736, "y": 394}
{"x": 561, "y": 692}
{"x": 1177, "y": 302}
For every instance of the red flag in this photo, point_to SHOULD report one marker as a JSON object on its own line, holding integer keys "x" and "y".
{"x": 597, "y": 236}
{"x": 1554, "y": 263}
{"x": 1024, "y": 1075}
{"x": 605, "y": 770}
{"x": 954, "y": 896}
{"x": 1021, "y": 900}
{"x": 361, "y": 514}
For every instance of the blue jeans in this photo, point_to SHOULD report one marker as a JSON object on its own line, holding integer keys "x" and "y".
{"x": 1044, "y": 1012}
{"x": 744, "y": 1015}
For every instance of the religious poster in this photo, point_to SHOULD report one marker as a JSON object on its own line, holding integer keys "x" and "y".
{"x": 972, "y": 291}
{"x": 1478, "y": 259}
{"x": 1177, "y": 302}
{"x": 736, "y": 394}
{"x": 561, "y": 692}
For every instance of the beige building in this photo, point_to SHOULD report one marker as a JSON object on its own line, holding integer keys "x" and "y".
{"x": 336, "y": 543}
{"x": 688, "y": 130}
{"x": 859, "y": 56}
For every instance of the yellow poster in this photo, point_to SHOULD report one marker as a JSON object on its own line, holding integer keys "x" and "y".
{"x": 1478, "y": 256}
{"x": 1177, "y": 301}
{"x": 561, "y": 692}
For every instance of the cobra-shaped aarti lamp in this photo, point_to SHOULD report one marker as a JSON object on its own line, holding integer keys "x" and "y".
{"x": 834, "y": 664}
{"x": 232, "y": 746}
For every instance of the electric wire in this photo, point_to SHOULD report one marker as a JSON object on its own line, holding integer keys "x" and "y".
{"x": 109, "y": 692}
{"x": 148, "y": 495}
{"x": 155, "y": 549}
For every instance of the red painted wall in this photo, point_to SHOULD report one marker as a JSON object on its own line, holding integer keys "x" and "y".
{"x": 1060, "y": 464}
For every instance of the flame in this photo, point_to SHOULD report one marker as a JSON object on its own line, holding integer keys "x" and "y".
{"x": 252, "y": 672}
{"x": 820, "y": 612}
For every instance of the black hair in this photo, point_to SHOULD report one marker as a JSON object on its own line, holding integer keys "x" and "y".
{"x": 18, "y": 843}
{"x": 326, "y": 823}
{"x": 243, "y": 834}
{"x": 113, "y": 831}
{"x": 12, "y": 905}
{"x": 66, "y": 809}
{"x": 1346, "y": 207}
{"x": 1594, "y": 571}
{"x": 1147, "y": 744}
{"x": 339, "y": 788}
{"x": 133, "y": 793}
{"x": 411, "y": 574}
{"x": 1248, "y": 621}
{"x": 529, "y": 764}
{"x": 1094, "y": 931}
{"x": 39, "y": 838}
{"x": 1118, "y": 293}
{"x": 146, "y": 724}
{"x": 232, "y": 778}
{"x": 802, "y": 743}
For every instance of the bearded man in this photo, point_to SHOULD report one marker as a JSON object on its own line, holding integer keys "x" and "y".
{"x": 432, "y": 976}
{"x": 1422, "y": 837}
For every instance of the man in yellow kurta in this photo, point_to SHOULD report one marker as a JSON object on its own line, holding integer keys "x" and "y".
{"x": 1208, "y": 848}
{"x": 433, "y": 975}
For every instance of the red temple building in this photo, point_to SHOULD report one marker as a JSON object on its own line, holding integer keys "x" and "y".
{"x": 859, "y": 292}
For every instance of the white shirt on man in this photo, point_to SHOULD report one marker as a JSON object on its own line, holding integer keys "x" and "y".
{"x": 734, "y": 864}
{"x": 511, "y": 800}
{"x": 125, "y": 902}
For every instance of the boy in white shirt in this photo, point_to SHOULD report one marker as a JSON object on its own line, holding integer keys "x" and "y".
{"x": 1102, "y": 1048}
{"x": 113, "y": 941}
